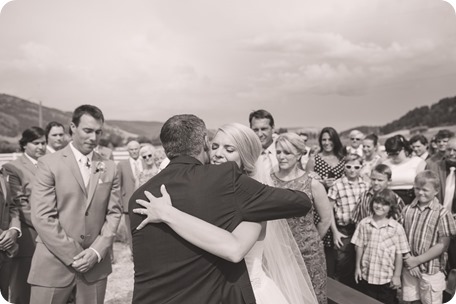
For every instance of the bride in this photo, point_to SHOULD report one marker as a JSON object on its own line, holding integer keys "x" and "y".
{"x": 276, "y": 269}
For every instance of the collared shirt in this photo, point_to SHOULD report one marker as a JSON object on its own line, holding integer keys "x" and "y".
{"x": 424, "y": 155}
{"x": 135, "y": 163}
{"x": 346, "y": 195}
{"x": 380, "y": 246}
{"x": 358, "y": 150}
{"x": 81, "y": 160}
{"x": 363, "y": 208}
{"x": 34, "y": 161}
{"x": 423, "y": 227}
{"x": 50, "y": 149}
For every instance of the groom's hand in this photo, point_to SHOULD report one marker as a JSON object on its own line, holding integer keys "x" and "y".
{"x": 155, "y": 209}
{"x": 85, "y": 260}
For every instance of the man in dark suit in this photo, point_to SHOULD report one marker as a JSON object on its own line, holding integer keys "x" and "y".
{"x": 9, "y": 231}
{"x": 447, "y": 198}
{"x": 170, "y": 270}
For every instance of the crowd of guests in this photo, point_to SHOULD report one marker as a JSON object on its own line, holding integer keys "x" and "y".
{"x": 381, "y": 220}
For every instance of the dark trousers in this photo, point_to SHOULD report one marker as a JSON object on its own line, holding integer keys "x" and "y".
{"x": 5, "y": 272}
{"x": 383, "y": 293}
{"x": 20, "y": 289}
{"x": 346, "y": 257}
{"x": 330, "y": 255}
{"x": 452, "y": 254}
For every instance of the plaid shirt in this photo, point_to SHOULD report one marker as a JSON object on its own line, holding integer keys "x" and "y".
{"x": 363, "y": 210}
{"x": 424, "y": 227}
{"x": 346, "y": 194}
{"x": 380, "y": 245}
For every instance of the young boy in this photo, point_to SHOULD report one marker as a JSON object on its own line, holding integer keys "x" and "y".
{"x": 428, "y": 226}
{"x": 380, "y": 177}
{"x": 380, "y": 242}
{"x": 344, "y": 195}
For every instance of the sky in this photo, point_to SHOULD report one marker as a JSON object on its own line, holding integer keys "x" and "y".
{"x": 310, "y": 63}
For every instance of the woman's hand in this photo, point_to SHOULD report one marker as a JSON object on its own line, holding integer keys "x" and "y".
{"x": 337, "y": 236}
{"x": 156, "y": 209}
{"x": 329, "y": 182}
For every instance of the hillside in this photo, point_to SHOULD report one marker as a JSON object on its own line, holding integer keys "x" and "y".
{"x": 17, "y": 114}
{"x": 440, "y": 114}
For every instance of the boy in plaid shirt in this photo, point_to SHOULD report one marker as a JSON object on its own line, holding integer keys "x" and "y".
{"x": 344, "y": 195}
{"x": 428, "y": 226}
{"x": 380, "y": 243}
{"x": 379, "y": 180}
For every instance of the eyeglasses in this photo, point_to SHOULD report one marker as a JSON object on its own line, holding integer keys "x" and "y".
{"x": 350, "y": 166}
{"x": 354, "y": 138}
{"x": 147, "y": 156}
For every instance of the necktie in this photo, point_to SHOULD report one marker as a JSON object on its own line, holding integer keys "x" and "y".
{"x": 449, "y": 190}
{"x": 85, "y": 169}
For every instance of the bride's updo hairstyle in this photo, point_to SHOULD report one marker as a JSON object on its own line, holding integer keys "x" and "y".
{"x": 246, "y": 142}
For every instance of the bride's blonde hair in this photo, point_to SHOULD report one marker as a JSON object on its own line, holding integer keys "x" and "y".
{"x": 246, "y": 142}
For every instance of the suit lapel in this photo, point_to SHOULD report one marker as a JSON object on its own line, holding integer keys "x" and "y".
{"x": 442, "y": 177}
{"x": 94, "y": 178}
{"x": 70, "y": 161}
{"x": 130, "y": 171}
{"x": 28, "y": 164}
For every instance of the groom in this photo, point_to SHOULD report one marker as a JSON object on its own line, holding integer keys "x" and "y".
{"x": 170, "y": 270}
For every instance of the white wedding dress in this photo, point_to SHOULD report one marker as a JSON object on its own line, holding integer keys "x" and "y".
{"x": 265, "y": 290}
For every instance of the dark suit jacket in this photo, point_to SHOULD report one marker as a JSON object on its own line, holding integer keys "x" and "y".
{"x": 20, "y": 176}
{"x": 442, "y": 172}
{"x": 170, "y": 270}
{"x": 127, "y": 182}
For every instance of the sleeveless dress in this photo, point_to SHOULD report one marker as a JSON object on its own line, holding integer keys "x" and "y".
{"x": 307, "y": 237}
{"x": 265, "y": 290}
{"x": 322, "y": 168}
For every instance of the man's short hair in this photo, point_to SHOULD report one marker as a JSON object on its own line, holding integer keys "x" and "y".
{"x": 384, "y": 170}
{"x": 261, "y": 114}
{"x": 444, "y": 133}
{"x": 418, "y": 137}
{"x": 91, "y": 110}
{"x": 183, "y": 135}
{"x": 51, "y": 125}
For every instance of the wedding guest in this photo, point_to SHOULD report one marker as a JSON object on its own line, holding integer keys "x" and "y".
{"x": 21, "y": 174}
{"x": 75, "y": 208}
{"x": 262, "y": 123}
{"x": 344, "y": 196}
{"x": 10, "y": 230}
{"x": 419, "y": 144}
{"x": 380, "y": 178}
{"x": 441, "y": 138}
{"x": 433, "y": 146}
{"x": 103, "y": 150}
{"x": 129, "y": 171}
{"x": 160, "y": 159}
{"x": 380, "y": 242}
{"x": 290, "y": 148}
{"x": 147, "y": 152}
{"x": 55, "y": 136}
{"x": 429, "y": 227}
{"x": 304, "y": 137}
{"x": 404, "y": 167}
{"x": 371, "y": 158}
{"x": 328, "y": 164}
{"x": 355, "y": 146}
{"x": 445, "y": 170}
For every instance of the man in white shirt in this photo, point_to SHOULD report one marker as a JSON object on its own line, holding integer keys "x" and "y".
{"x": 55, "y": 133}
{"x": 75, "y": 208}
{"x": 262, "y": 123}
{"x": 129, "y": 171}
{"x": 355, "y": 146}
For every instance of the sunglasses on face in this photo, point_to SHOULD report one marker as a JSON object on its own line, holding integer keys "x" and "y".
{"x": 147, "y": 156}
{"x": 354, "y": 138}
{"x": 350, "y": 166}
{"x": 393, "y": 153}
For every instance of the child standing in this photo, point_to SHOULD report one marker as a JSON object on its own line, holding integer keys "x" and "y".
{"x": 380, "y": 242}
{"x": 379, "y": 179}
{"x": 344, "y": 194}
{"x": 428, "y": 226}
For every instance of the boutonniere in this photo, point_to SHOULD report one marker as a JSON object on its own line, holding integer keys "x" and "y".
{"x": 100, "y": 167}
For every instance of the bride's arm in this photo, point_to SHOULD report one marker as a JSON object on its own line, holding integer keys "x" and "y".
{"x": 231, "y": 246}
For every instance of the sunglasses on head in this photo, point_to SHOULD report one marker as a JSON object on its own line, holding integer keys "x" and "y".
{"x": 355, "y": 167}
{"x": 147, "y": 156}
